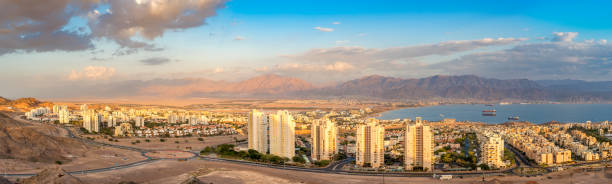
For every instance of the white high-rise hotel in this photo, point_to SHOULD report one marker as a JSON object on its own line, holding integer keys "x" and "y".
{"x": 419, "y": 146}
{"x": 273, "y": 133}
{"x": 324, "y": 144}
{"x": 258, "y": 131}
{"x": 370, "y": 144}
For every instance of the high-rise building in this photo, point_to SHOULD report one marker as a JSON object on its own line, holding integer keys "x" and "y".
{"x": 324, "y": 145}
{"x": 282, "y": 134}
{"x": 418, "y": 146}
{"x": 370, "y": 144}
{"x": 63, "y": 116}
{"x": 84, "y": 107}
{"x": 172, "y": 118}
{"x": 258, "y": 136}
{"x": 492, "y": 150}
{"x": 139, "y": 121}
{"x": 91, "y": 120}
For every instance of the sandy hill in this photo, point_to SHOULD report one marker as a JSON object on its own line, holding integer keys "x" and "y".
{"x": 52, "y": 176}
{"x": 3, "y": 100}
{"x": 35, "y": 143}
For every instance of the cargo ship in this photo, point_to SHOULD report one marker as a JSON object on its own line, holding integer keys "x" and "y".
{"x": 489, "y": 113}
{"x": 513, "y": 118}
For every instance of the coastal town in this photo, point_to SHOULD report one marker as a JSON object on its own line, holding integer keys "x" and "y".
{"x": 351, "y": 140}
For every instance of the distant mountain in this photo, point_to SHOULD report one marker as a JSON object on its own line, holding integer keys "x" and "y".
{"x": 577, "y": 85}
{"x": 265, "y": 85}
{"x": 460, "y": 87}
{"x": 271, "y": 84}
{"x": 467, "y": 88}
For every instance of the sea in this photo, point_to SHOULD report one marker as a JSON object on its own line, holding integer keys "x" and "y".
{"x": 534, "y": 113}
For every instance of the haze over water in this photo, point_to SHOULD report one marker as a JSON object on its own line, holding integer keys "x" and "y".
{"x": 535, "y": 113}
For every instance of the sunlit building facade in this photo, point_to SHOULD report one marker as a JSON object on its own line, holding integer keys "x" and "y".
{"x": 419, "y": 146}
{"x": 370, "y": 144}
{"x": 324, "y": 145}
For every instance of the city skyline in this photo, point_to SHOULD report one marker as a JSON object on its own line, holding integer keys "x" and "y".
{"x": 320, "y": 42}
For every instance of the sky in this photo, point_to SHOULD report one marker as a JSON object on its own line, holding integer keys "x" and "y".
{"x": 56, "y": 48}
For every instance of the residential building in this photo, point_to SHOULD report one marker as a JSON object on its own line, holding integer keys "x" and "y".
{"x": 282, "y": 134}
{"x": 418, "y": 146}
{"x": 258, "y": 136}
{"x": 324, "y": 145}
{"x": 492, "y": 150}
{"x": 370, "y": 144}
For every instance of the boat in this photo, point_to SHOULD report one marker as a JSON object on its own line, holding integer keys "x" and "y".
{"x": 489, "y": 105}
{"x": 513, "y": 118}
{"x": 489, "y": 113}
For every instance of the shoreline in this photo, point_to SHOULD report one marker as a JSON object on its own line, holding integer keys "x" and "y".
{"x": 378, "y": 115}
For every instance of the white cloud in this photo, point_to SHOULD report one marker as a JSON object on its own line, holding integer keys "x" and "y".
{"x": 218, "y": 70}
{"x": 133, "y": 25}
{"x": 239, "y": 38}
{"x": 324, "y": 29}
{"x": 335, "y": 23}
{"x": 340, "y": 42}
{"x": 339, "y": 67}
{"x": 603, "y": 41}
{"x": 548, "y": 60}
{"x": 564, "y": 36}
{"x": 92, "y": 73}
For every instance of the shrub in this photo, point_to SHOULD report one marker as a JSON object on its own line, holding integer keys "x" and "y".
{"x": 162, "y": 140}
{"x": 322, "y": 163}
{"x": 298, "y": 159}
{"x": 200, "y": 139}
{"x": 58, "y": 162}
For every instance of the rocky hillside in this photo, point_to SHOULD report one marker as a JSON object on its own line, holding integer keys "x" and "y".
{"x": 3, "y": 100}
{"x": 32, "y": 143}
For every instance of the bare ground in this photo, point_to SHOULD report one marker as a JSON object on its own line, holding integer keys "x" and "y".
{"x": 171, "y": 171}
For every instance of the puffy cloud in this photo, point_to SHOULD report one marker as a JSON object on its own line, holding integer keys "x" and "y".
{"x": 218, "y": 70}
{"x": 338, "y": 66}
{"x": 350, "y": 62}
{"x": 547, "y": 60}
{"x": 324, "y": 29}
{"x": 149, "y": 19}
{"x": 92, "y": 73}
{"x": 564, "y": 36}
{"x": 239, "y": 38}
{"x": 39, "y": 26}
{"x": 603, "y": 41}
{"x": 155, "y": 61}
{"x": 335, "y": 23}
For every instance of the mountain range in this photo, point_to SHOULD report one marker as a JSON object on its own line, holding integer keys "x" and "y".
{"x": 467, "y": 88}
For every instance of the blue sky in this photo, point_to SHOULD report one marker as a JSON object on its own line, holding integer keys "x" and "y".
{"x": 240, "y": 39}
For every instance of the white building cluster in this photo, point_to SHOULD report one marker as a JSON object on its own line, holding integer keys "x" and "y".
{"x": 272, "y": 133}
